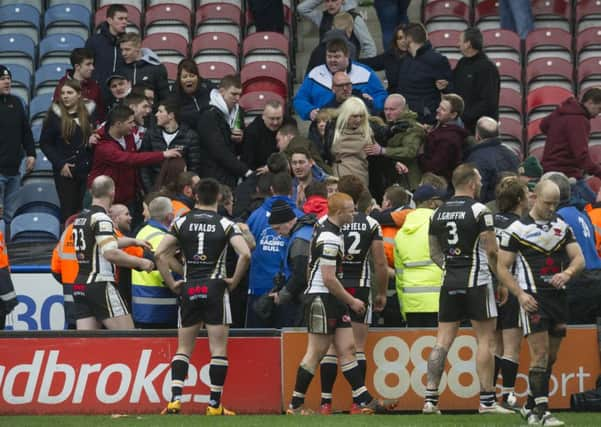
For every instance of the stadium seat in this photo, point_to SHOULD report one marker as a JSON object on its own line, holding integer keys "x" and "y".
{"x": 20, "y": 19}
{"x": 510, "y": 72}
{"x": 552, "y": 14}
{"x": 38, "y": 4}
{"x": 549, "y": 72}
{"x": 219, "y": 17}
{"x": 57, "y": 48}
{"x": 536, "y": 139}
{"x": 589, "y": 73}
{"x": 588, "y": 44}
{"x": 3, "y": 228}
{"x": 265, "y": 76}
{"x": 67, "y": 18}
{"x": 446, "y": 42}
{"x": 215, "y": 71}
{"x": 237, "y": 3}
{"x": 168, "y": 18}
{"x": 510, "y": 103}
{"x": 39, "y": 107}
{"x": 88, "y": 4}
{"x": 549, "y": 43}
{"x": 134, "y": 16}
{"x": 446, "y": 15}
{"x": 486, "y": 15}
{"x": 21, "y": 81}
{"x": 502, "y": 44}
{"x": 47, "y": 76}
{"x": 543, "y": 100}
{"x": 36, "y": 130}
{"x": 34, "y": 227}
{"x": 138, "y": 4}
{"x": 188, "y": 4}
{"x": 588, "y": 14}
{"x": 253, "y": 103}
{"x": 266, "y": 46}
{"x": 42, "y": 167}
{"x": 17, "y": 49}
{"x": 171, "y": 68}
{"x": 169, "y": 47}
{"x": 511, "y": 130}
{"x": 216, "y": 47}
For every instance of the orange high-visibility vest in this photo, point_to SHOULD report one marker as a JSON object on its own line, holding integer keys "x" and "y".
{"x": 389, "y": 233}
{"x": 3, "y": 255}
{"x": 594, "y": 214}
{"x": 64, "y": 259}
{"x": 179, "y": 208}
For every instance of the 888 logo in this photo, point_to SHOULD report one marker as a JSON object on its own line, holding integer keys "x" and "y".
{"x": 399, "y": 367}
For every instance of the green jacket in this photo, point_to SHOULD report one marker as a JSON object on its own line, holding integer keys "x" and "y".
{"x": 404, "y": 146}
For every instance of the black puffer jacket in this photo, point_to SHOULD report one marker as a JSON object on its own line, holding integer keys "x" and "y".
{"x": 107, "y": 54}
{"x": 389, "y": 61}
{"x": 192, "y": 106}
{"x": 153, "y": 141}
{"x": 15, "y": 132}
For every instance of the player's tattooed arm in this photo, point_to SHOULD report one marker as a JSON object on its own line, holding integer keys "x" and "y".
{"x": 436, "y": 252}
{"x": 436, "y": 365}
{"x": 247, "y": 234}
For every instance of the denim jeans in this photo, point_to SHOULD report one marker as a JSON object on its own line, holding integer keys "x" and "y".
{"x": 9, "y": 186}
{"x": 390, "y": 14}
{"x": 516, "y": 16}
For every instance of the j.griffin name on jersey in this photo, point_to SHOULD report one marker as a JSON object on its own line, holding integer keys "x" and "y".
{"x": 450, "y": 216}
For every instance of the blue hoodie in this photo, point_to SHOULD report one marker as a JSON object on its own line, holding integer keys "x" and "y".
{"x": 584, "y": 233}
{"x": 268, "y": 257}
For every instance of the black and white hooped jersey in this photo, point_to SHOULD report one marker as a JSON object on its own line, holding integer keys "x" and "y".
{"x": 542, "y": 245}
{"x": 203, "y": 237}
{"x": 327, "y": 248}
{"x": 93, "y": 233}
{"x": 502, "y": 221}
{"x": 457, "y": 225}
{"x": 358, "y": 237}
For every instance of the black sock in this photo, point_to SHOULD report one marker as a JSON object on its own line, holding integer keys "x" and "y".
{"x": 530, "y": 401}
{"x": 487, "y": 398}
{"x": 179, "y": 370}
{"x": 431, "y": 396}
{"x": 328, "y": 370}
{"x": 498, "y": 366}
{"x": 362, "y": 362}
{"x": 217, "y": 374}
{"x": 303, "y": 379}
{"x": 352, "y": 373}
{"x": 509, "y": 370}
{"x": 539, "y": 385}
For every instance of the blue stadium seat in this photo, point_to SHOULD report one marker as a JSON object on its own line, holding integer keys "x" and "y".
{"x": 47, "y": 77}
{"x": 34, "y": 227}
{"x": 56, "y": 48}
{"x": 88, "y": 4}
{"x": 37, "y": 131}
{"x": 68, "y": 18}
{"x": 17, "y": 49}
{"x": 38, "y": 4}
{"x": 38, "y": 196}
{"x": 39, "y": 107}
{"x": 21, "y": 81}
{"x": 2, "y": 227}
{"x": 20, "y": 19}
{"x": 42, "y": 167}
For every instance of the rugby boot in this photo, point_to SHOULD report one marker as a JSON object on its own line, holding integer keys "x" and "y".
{"x": 172, "y": 408}
{"x": 550, "y": 421}
{"x": 325, "y": 409}
{"x": 430, "y": 408}
{"x": 299, "y": 411}
{"x": 219, "y": 411}
{"x": 494, "y": 409}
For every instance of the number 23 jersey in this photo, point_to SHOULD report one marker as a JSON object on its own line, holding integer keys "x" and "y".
{"x": 457, "y": 226}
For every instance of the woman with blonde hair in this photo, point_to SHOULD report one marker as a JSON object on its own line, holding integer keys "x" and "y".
{"x": 351, "y": 135}
{"x": 64, "y": 141}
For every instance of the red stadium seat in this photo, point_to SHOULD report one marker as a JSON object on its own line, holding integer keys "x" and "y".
{"x": 535, "y": 139}
{"x": 171, "y": 71}
{"x": 220, "y": 17}
{"x": 446, "y": 15}
{"x": 588, "y": 44}
{"x": 549, "y": 43}
{"x": 512, "y": 135}
{"x": 510, "y": 72}
{"x": 168, "y": 18}
{"x": 215, "y": 71}
{"x": 188, "y": 4}
{"x": 486, "y": 15}
{"x": 541, "y": 101}
{"x": 255, "y": 101}
{"x": 588, "y": 14}
{"x": 168, "y": 46}
{"x": 134, "y": 16}
{"x": 446, "y": 42}
{"x": 265, "y": 76}
{"x": 550, "y": 72}
{"x": 552, "y": 14}
{"x": 510, "y": 103}
{"x": 502, "y": 44}
{"x": 589, "y": 73}
{"x": 266, "y": 46}
{"x": 216, "y": 47}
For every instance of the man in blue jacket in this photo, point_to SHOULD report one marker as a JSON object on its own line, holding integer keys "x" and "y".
{"x": 316, "y": 90}
{"x": 268, "y": 259}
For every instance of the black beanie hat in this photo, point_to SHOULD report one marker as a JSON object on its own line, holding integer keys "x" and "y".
{"x": 281, "y": 212}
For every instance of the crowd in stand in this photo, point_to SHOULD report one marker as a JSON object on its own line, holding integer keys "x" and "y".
{"x": 115, "y": 115}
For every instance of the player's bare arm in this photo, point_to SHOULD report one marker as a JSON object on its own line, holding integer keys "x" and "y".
{"x": 381, "y": 273}
{"x": 328, "y": 272}
{"x": 505, "y": 262}
{"x": 165, "y": 257}
{"x": 248, "y": 236}
{"x": 435, "y": 252}
{"x": 488, "y": 241}
{"x": 560, "y": 279}
{"x": 240, "y": 245}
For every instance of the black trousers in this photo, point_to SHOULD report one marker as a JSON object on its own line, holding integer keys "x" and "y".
{"x": 70, "y": 194}
{"x": 268, "y": 15}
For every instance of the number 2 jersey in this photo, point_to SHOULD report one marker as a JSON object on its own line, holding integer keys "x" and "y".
{"x": 203, "y": 237}
{"x": 457, "y": 226}
{"x": 358, "y": 237}
{"x": 542, "y": 245}
{"x": 327, "y": 248}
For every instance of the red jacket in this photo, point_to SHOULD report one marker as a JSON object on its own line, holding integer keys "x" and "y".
{"x": 90, "y": 90}
{"x": 316, "y": 205}
{"x": 443, "y": 150}
{"x": 566, "y": 149}
{"x": 122, "y": 165}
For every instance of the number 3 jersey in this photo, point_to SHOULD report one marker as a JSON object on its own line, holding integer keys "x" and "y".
{"x": 203, "y": 237}
{"x": 327, "y": 248}
{"x": 457, "y": 226}
{"x": 358, "y": 237}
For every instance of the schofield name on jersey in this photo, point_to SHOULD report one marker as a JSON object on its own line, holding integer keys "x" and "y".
{"x": 206, "y": 228}
{"x": 450, "y": 216}
{"x": 355, "y": 226}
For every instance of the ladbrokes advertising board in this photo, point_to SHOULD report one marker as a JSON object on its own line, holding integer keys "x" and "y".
{"x": 397, "y": 362}
{"x": 131, "y": 375}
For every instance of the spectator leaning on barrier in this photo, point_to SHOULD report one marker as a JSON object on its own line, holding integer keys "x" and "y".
{"x": 15, "y": 134}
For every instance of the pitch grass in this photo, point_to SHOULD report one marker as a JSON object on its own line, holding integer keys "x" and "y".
{"x": 455, "y": 420}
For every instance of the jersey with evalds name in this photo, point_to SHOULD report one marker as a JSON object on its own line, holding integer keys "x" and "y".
{"x": 542, "y": 245}
{"x": 358, "y": 237}
{"x": 327, "y": 248}
{"x": 92, "y": 231}
{"x": 203, "y": 237}
{"x": 457, "y": 226}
